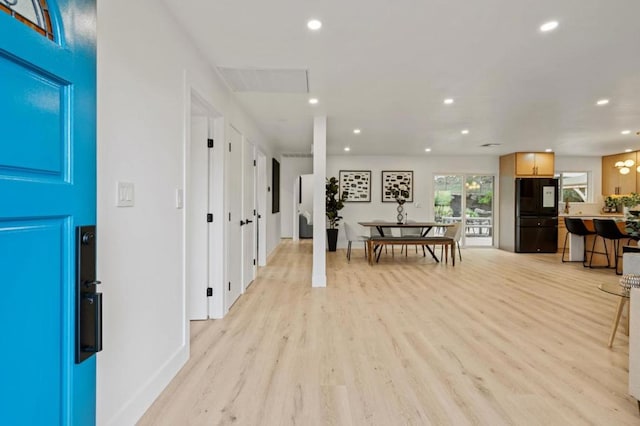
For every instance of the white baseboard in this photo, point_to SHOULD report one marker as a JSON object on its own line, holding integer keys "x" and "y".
{"x": 319, "y": 280}
{"x": 142, "y": 399}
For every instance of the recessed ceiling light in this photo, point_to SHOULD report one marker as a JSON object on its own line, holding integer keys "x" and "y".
{"x": 549, "y": 26}
{"x": 427, "y": 150}
{"x": 313, "y": 101}
{"x": 314, "y": 24}
{"x": 448, "y": 101}
{"x": 625, "y": 132}
{"x": 356, "y": 131}
{"x": 465, "y": 132}
{"x": 628, "y": 150}
{"x": 602, "y": 102}
{"x": 346, "y": 148}
{"x": 548, "y": 150}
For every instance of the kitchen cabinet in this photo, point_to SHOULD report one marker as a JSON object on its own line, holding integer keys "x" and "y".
{"x": 614, "y": 182}
{"x": 535, "y": 164}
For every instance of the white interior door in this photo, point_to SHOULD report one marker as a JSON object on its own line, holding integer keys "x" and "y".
{"x": 197, "y": 204}
{"x": 261, "y": 219}
{"x": 249, "y": 214}
{"x": 234, "y": 216}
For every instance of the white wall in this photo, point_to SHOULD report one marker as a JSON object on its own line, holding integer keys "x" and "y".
{"x": 141, "y": 134}
{"x": 424, "y": 167}
{"x": 290, "y": 169}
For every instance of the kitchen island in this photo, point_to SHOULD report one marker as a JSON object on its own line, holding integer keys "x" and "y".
{"x": 575, "y": 244}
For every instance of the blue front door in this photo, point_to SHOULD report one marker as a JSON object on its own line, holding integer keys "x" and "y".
{"x": 47, "y": 189}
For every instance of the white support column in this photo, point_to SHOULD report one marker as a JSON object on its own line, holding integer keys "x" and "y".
{"x": 319, "y": 277}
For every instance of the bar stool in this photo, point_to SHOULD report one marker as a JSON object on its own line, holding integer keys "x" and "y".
{"x": 577, "y": 227}
{"x": 608, "y": 230}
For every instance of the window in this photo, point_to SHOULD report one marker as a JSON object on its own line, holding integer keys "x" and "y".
{"x": 32, "y": 13}
{"x": 573, "y": 187}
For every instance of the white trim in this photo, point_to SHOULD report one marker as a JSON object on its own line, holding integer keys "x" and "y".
{"x": 216, "y": 199}
{"x": 319, "y": 276}
{"x": 134, "y": 409}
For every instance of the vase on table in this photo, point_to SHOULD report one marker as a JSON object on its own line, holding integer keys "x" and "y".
{"x": 400, "y": 217}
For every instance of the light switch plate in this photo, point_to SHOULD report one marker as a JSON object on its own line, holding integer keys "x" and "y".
{"x": 125, "y": 194}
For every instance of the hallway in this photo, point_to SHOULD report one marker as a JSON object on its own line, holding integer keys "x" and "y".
{"x": 499, "y": 339}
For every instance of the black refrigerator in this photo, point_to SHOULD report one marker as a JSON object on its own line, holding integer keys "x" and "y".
{"x": 536, "y": 215}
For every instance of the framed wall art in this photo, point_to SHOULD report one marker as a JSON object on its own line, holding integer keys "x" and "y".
{"x": 275, "y": 186}
{"x": 357, "y": 183}
{"x": 393, "y": 179}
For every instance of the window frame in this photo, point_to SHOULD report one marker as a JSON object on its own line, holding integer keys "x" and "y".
{"x": 589, "y": 192}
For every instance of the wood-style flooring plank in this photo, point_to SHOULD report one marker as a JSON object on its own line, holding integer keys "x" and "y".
{"x": 499, "y": 339}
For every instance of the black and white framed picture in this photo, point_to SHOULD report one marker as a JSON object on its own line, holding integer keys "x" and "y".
{"x": 393, "y": 180}
{"x": 357, "y": 183}
{"x": 275, "y": 186}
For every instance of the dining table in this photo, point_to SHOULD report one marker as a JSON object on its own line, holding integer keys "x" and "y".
{"x": 424, "y": 226}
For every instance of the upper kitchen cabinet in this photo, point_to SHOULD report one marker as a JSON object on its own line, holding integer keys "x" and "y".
{"x": 619, "y": 173}
{"x": 534, "y": 164}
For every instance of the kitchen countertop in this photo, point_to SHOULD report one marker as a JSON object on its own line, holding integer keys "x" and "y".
{"x": 586, "y": 215}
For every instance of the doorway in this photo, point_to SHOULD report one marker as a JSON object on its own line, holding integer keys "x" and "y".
{"x": 261, "y": 203}
{"x": 198, "y": 199}
{"x": 233, "y": 188}
{"x": 466, "y": 198}
{"x": 249, "y": 214}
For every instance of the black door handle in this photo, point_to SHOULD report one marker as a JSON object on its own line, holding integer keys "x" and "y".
{"x": 88, "y": 330}
{"x": 242, "y": 223}
{"x": 248, "y": 222}
{"x": 259, "y": 216}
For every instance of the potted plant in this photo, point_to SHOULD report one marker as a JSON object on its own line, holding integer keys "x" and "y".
{"x": 334, "y": 204}
{"x": 629, "y": 201}
{"x": 611, "y": 204}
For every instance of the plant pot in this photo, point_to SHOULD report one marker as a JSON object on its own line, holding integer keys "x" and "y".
{"x": 332, "y": 239}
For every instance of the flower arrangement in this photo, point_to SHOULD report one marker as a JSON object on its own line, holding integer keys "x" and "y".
{"x": 616, "y": 201}
{"x": 400, "y": 193}
{"x": 611, "y": 202}
{"x": 630, "y": 200}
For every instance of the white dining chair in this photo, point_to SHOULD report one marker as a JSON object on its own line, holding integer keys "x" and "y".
{"x": 454, "y": 232}
{"x": 353, "y": 236}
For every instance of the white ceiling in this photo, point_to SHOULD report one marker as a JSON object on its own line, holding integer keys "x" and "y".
{"x": 386, "y": 66}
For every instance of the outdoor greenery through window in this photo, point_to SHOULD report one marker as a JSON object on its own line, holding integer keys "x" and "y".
{"x": 467, "y": 199}
{"x": 573, "y": 187}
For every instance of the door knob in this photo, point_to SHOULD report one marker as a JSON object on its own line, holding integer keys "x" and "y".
{"x": 248, "y": 221}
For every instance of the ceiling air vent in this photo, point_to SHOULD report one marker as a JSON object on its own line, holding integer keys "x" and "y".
{"x": 266, "y": 80}
{"x": 297, "y": 155}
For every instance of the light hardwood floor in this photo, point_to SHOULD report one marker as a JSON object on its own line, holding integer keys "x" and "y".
{"x": 499, "y": 339}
